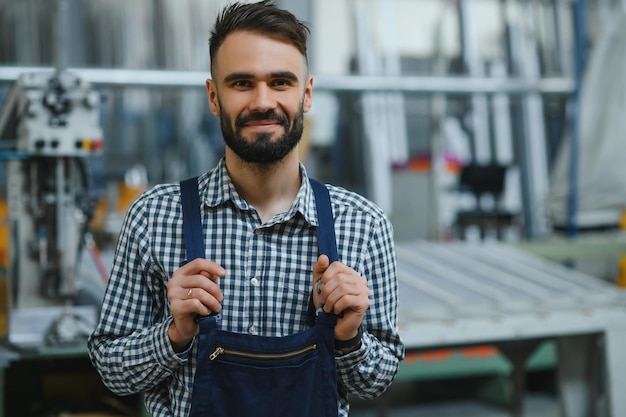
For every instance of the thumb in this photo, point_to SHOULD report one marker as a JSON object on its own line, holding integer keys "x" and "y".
{"x": 318, "y": 270}
{"x": 320, "y": 267}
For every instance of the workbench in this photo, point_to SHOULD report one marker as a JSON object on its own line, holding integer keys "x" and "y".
{"x": 458, "y": 294}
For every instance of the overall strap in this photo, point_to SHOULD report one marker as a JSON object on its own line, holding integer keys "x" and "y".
{"x": 326, "y": 241}
{"x": 192, "y": 220}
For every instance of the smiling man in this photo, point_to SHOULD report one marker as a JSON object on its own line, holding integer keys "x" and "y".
{"x": 266, "y": 99}
{"x": 261, "y": 273}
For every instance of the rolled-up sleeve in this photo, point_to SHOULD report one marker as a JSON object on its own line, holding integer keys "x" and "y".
{"x": 369, "y": 371}
{"x": 130, "y": 347}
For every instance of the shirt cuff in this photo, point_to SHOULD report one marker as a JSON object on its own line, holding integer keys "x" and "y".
{"x": 164, "y": 352}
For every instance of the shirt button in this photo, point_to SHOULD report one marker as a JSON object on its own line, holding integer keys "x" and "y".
{"x": 254, "y": 282}
{"x": 252, "y": 329}
{"x": 258, "y": 232}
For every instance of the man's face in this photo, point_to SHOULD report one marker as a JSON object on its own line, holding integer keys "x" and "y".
{"x": 260, "y": 90}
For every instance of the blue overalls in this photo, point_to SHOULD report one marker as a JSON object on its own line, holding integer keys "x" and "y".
{"x": 243, "y": 375}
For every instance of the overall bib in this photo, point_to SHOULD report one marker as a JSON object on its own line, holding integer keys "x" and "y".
{"x": 243, "y": 375}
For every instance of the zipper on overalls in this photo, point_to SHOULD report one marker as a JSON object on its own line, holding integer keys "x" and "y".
{"x": 222, "y": 351}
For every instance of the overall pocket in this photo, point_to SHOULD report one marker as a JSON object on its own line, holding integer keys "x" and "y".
{"x": 241, "y": 375}
{"x": 279, "y": 384}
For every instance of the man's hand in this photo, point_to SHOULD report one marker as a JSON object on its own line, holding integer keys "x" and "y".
{"x": 342, "y": 290}
{"x": 192, "y": 290}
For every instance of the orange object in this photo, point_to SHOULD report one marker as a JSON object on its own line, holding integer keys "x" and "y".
{"x": 126, "y": 195}
{"x": 444, "y": 354}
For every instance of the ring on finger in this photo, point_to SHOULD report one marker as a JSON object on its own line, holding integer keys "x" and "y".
{"x": 189, "y": 292}
{"x": 319, "y": 286}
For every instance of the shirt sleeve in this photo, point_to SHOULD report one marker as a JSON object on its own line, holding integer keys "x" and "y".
{"x": 369, "y": 371}
{"x": 130, "y": 347}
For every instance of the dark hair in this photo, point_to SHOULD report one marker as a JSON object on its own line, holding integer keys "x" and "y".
{"x": 262, "y": 17}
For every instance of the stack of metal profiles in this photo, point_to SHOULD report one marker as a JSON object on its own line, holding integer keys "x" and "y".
{"x": 460, "y": 294}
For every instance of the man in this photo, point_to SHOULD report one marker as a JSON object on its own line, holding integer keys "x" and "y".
{"x": 259, "y": 222}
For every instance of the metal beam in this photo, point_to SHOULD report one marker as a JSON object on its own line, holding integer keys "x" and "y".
{"x": 345, "y": 83}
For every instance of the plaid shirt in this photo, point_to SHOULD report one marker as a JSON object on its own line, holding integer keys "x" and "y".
{"x": 266, "y": 289}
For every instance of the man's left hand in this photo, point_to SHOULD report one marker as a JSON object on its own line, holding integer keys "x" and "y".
{"x": 340, "y": 290}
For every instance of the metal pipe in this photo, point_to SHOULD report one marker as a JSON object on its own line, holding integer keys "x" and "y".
{"x": 63, "y": 35}
{"x": 580, "y": 35}
{"x": 343, "y": 83}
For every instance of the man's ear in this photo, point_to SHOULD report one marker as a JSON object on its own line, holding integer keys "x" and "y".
{"x": 308, "y": 95}
{"x": 212, "y": 95}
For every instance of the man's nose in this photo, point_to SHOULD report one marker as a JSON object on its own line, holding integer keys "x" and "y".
{"x": 263, "y": 98}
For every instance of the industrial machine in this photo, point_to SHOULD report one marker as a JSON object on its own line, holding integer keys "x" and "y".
{"x": 49, "y": 127}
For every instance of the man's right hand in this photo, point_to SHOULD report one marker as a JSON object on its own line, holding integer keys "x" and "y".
{"x": 192, "y": 290}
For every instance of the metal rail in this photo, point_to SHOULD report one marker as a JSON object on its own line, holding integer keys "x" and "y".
{"x": 345, "y": 83}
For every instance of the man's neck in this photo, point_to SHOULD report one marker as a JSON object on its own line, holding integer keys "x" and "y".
{"x": 270, "y": 189}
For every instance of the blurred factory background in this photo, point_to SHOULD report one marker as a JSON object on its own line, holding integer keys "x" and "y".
{"x": 489, "y": 124}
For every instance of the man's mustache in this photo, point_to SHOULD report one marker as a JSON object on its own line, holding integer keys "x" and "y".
{"x": 268, "y": 115}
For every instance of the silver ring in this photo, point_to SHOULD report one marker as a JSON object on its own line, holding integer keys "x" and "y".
{"x": 189, "y": 292}
{"x": 319, "y": 286}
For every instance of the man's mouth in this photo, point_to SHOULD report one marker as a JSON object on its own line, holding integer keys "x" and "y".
{"x": 262, "y": 121}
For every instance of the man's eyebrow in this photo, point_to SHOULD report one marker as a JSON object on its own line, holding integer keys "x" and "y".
{"x": 289, "y": 75}
{"x": 286, "y": 75}
{"x": 238, "y": 76}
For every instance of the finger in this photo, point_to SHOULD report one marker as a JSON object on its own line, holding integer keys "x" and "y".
{"x": 199, "y": 301}
{"x": 202, "y": 288}
{"x": 203, "y": 266}
{"x": 202, "y": 282}
{"x": 212, "y": 277}
{"x": 344, "y": 285}
{"x": 334, "y": 278}
{"x": 324, "y": 273}
{"x": 349, "y": 303}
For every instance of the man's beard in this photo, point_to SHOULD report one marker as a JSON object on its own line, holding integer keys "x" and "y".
{"x": 262, "y": 149}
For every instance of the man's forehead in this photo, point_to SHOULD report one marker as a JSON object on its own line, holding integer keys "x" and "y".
{"x": 255, "y": 53}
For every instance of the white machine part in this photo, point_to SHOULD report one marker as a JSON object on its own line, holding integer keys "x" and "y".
{"x": 51, "y": 119}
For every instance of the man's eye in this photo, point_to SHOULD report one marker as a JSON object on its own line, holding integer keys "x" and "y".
{"x": 241, "y": 84}
{"x": 282, "y": 83}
